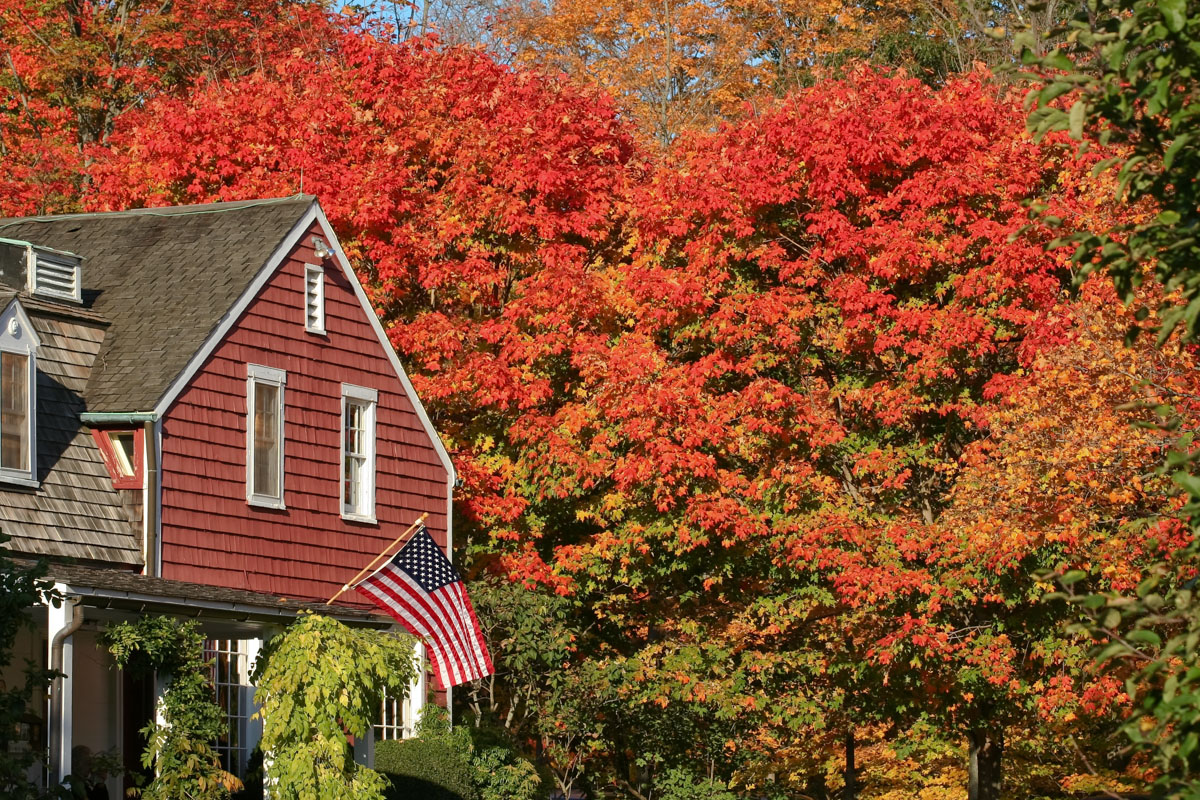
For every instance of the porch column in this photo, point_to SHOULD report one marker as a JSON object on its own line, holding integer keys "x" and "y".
{"x": 254, "y": 724}
{"x": 418, "y": 690}
{"x": 62, "y": 622}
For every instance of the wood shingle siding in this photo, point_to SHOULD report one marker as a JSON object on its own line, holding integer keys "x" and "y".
{"x": 75, "y": 512}
{"x": 306, "y": 550}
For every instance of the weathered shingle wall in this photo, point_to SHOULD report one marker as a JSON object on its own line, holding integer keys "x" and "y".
{"x": 75, "y": 511}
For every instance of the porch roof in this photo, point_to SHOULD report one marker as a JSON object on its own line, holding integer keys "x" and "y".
{"x": 99, "y": 587}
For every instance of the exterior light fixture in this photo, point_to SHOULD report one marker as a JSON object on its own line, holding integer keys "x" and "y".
{"x": 320, "y": 249}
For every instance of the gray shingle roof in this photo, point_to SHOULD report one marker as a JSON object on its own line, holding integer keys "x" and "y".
{"x": 164, "y": 278}
{"x": 109, "y": 587}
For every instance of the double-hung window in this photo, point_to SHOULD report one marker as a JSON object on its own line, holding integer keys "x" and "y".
{"x": 358, "y": 452}
{"x": 264, "y": 435}
{"x": 18, "y": 397}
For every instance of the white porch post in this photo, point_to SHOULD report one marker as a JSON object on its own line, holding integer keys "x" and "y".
{"x": 417, "y": 691}
{"x": 254, "y": 723}
{"x": 61, "y": 624}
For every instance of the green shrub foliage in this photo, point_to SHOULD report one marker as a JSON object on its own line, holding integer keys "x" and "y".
{"x": 445, "y": 763}
{"x": 319, "y": 683}
{"x": 425, "y": 769}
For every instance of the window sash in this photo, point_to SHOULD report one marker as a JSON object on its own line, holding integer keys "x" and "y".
{"x": 125, "y": 449}
{"x": 265, "y": 436}
{"x": 14, "y": 411}
{"x": 358, "y": 452}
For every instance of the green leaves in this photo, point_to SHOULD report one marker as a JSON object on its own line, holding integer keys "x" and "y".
{"x": 319, "y": 682}
{"x": 1142, "y": 95}
{"x": 179, "y": 751}
{"x": 1174, "y": 13}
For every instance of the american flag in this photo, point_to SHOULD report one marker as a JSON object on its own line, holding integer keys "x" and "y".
{"x": 420, "y": 588}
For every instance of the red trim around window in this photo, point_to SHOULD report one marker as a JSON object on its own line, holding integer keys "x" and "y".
{"x": 109, "y": 454}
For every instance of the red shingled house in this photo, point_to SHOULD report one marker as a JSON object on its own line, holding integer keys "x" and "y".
{"x": 200, "y": 414}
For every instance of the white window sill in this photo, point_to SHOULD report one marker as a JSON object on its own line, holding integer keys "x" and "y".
{"x": 315, "y": 331}
{"x": 18, "y": 479}
{"x": 266, "y": 502}
{"x": 365, "y": 519}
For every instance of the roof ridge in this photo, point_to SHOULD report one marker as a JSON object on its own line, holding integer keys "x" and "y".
{"x": 164, "y": 211}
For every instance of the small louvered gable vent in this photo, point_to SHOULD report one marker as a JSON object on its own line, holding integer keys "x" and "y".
{"x": 314, "y": 299}
{"x": 55, "y": 276}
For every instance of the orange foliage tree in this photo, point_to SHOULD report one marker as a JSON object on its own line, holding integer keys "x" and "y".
{"x": 742, "y": 407}
{"x": 685, "y": 64}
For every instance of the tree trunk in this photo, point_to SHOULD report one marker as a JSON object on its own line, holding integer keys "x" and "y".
{"x": 985, "y": 773}
{"x": 850, "y": 790}
{"x": 815, "y": 787}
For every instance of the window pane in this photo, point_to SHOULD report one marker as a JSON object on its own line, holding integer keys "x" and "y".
{"x": 266, "y": 439}
{"x": 354, "y": 429}
{"x": 14, "y": 411}
{"x": 356, "y": 476}
{"x": 353, "y": 476}
{"x": 123, "y": 447}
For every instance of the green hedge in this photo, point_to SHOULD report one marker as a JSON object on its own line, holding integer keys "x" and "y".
{"x": 421, "y": 769}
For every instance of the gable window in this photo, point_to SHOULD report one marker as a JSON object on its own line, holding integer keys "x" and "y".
{"x": 358, "y": 452}
{"x": 18, "y": 397}
{"x": 314, "y": 298}
{"x": 264, "y": 435}
{"x": 14, "y": 412}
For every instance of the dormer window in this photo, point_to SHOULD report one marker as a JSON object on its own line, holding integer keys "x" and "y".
{"x": 18, "y": 397}
{"x": 314, "y": 298}
{"x": 14, "y": 412}
{"x": 121, "y": 451}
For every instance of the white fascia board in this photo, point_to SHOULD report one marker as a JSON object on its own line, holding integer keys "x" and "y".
{"x": 386, "y": 344}
{"x": 235, "y": 312}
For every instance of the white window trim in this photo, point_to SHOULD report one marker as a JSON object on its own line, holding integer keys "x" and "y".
{"x": 26, "y": 346}
{"x": 256, "y": 374}
{"x": 309, "y": 269}
{"x": 360, "y": 394}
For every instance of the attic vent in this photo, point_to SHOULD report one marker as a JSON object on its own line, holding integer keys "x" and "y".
{"x": 314, "y": 299}
{"x": 55, "y": 275}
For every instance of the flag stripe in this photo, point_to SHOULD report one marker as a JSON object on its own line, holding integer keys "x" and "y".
{"x": 410, "y": 623}
{"x": 419, "y": 588}
{"x": 474, "y": 635}
{"x": 394, "y": 587}
{"x": 444, "y": 600}
{"x": 430, "y": 631}
{"x": 442, "y": 629}
{"x": 449, "y": 673}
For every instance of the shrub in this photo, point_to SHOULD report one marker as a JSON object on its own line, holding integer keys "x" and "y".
{"x": 426, "y": 769}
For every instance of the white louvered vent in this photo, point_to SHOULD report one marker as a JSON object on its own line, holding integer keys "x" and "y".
{"x": 314, "y": 299}
{"x": 55, "y": 276}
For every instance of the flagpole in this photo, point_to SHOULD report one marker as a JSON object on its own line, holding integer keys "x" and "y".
{"x": 368, "y": 567}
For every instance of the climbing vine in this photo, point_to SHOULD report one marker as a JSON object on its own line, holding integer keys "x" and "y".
{"x": 180, "y": 751}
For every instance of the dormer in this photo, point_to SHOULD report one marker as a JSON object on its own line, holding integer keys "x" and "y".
{"x": 18, "y": 397}
{"x": 41, "y": 271}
